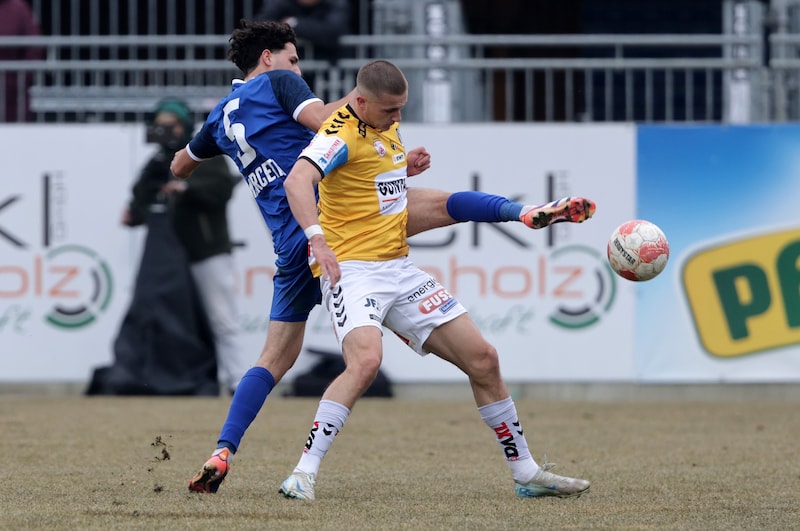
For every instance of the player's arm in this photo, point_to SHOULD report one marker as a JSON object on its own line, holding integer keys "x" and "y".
{"x": 202, "y": 147}
{"x": 183, "y": 164}
{"x": 299, "y": 187}
{"x": 315, "y": 114}
{"x": 296, "y": 98}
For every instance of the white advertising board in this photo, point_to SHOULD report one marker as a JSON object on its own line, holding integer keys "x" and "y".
{"x": 65, "y": 260}
{"x": 545, "y": 299}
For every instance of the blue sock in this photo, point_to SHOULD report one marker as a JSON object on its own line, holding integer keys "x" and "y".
{"x": 250, "y": 395}
{"x": 478, "y": 206}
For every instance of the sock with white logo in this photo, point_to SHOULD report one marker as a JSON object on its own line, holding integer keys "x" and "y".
{"x": 502, "y": 418}
{"x": 328, "y": 421}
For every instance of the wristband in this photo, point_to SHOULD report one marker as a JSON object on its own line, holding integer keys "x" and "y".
{"x": 313, "y": 230}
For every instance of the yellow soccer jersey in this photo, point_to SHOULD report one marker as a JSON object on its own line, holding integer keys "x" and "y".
{"x": 362, "y": 195}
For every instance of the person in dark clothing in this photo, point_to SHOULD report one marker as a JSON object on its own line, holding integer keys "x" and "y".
{"x": 197, "y": 208}
{"x": 319, "y": 22}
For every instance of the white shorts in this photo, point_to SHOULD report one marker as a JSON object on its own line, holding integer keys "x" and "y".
{"x": 395, "y": 294}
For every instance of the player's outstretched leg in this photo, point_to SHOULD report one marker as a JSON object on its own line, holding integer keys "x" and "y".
{"x": 572, "y": 209}
{"x": 546, "y": 483}
{"x": 213, "y": 472}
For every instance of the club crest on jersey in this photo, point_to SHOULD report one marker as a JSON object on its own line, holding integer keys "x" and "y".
{"x": 379, "y": 148}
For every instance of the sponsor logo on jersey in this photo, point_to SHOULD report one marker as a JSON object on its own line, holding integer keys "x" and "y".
{"x": 336, "y": 145}
{"x": 328, "y": 155}
{"x": 398, "y": 158}
{"x": 392, "y": 188}
{"x": 441, "y": 300}
{"x": 429, "y": 285}
{"x": 391, "y": 194}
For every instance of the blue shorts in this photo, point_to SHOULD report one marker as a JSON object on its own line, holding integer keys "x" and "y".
{"x": 295, "y": 290}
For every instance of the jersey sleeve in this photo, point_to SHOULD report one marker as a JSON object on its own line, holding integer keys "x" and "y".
{"x": 291, "y": 91}
{"x": 329, "y": 148}
{"x": 202, "y": 146}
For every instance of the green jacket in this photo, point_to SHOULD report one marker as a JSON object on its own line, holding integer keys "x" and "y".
{"x": 199, "y": 214}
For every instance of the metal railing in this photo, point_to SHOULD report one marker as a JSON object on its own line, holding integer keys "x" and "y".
{"x": 663, "y": 78}
{"x": 784, "y": 77}
{"x": 602, "y": 78}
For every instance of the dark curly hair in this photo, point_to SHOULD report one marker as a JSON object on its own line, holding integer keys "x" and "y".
{"x": 253, "y": 37}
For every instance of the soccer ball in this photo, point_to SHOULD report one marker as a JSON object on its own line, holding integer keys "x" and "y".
{"x": 638, "y": 250}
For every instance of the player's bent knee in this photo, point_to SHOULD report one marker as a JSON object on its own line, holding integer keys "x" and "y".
{"x": 365, "y": 370}
{"x": 483, "y": 362}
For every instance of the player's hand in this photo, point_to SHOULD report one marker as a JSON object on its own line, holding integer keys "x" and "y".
{"x": 326, "y": 259}
{"x": 418, "y": 160}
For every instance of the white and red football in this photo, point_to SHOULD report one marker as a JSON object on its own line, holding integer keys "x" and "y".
{"x": 638, "y": 250}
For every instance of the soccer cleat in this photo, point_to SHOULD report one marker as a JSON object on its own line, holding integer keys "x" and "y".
{"x": 299, "y": 486}
{"x": 213, "y": 472}
{"x": 546, "y": 483}
{"x": 572, "y": 209}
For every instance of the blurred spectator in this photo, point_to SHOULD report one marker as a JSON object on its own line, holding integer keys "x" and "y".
{"x": 17, "y": 18}
{"x": 197, "y": 209}
{"x": 319, "y": 22}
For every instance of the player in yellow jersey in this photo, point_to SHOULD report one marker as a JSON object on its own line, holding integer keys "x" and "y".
{"x": 358, "y": 247}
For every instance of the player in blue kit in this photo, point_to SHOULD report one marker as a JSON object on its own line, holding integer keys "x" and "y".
{"x": 263, "y": 125}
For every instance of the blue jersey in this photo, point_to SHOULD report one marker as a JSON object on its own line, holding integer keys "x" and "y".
{"x": 255, "y": 125}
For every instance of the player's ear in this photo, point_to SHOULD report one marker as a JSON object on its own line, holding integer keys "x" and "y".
{"x": 266, "y": 57}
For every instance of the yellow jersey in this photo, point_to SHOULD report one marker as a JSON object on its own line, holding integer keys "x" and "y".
{"x": 362, "y": 195}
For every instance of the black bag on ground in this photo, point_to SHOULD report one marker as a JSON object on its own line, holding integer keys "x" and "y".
{"x": 164, "y": 345}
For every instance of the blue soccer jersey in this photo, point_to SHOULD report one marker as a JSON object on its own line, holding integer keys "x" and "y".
{"x": 255, "y": 125}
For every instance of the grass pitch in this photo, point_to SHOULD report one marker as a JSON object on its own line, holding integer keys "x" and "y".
{"x": 74, "y": 462}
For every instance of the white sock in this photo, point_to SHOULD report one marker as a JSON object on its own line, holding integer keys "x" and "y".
{"x": 502, "y": 418}
{"x": 328, "y": 421}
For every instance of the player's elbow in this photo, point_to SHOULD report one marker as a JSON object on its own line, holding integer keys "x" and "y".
{"x": 302, "y": 177}
{"x": 177, "y": 171}
{"x": 182, "y": 165}
{"x": 294, "y": 184}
